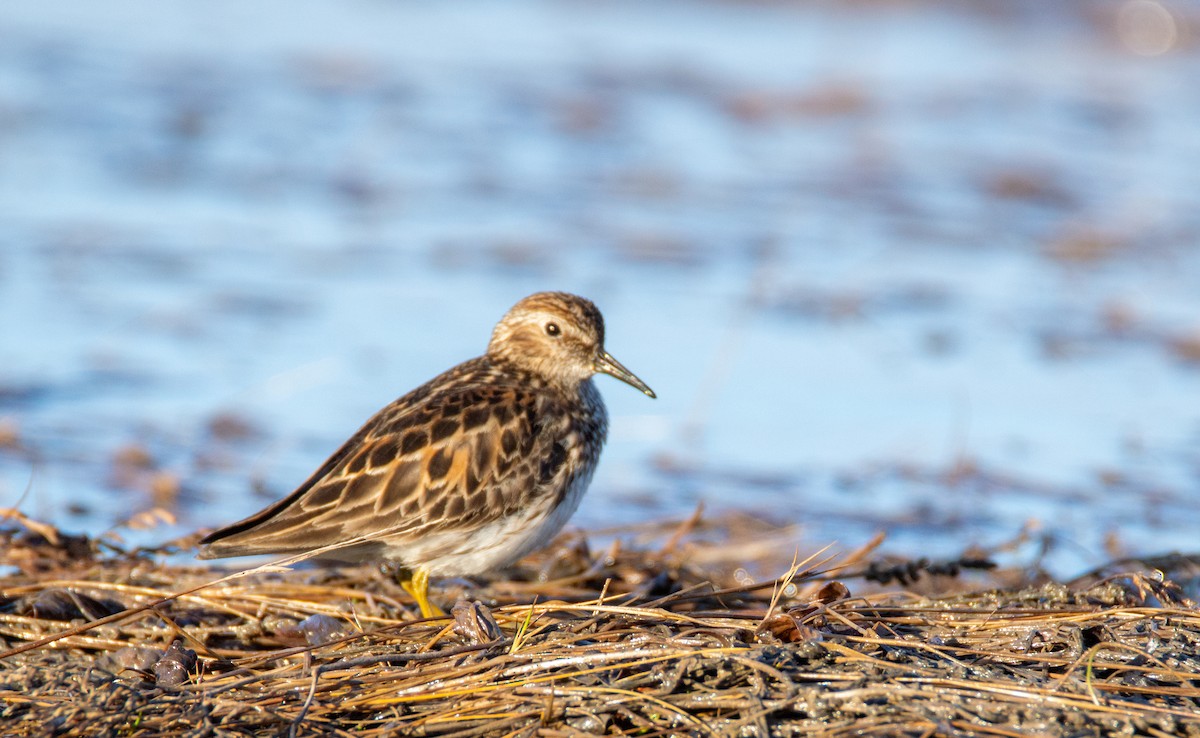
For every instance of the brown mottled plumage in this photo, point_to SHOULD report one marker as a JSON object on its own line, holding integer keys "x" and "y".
{"x": 468, "y": 472}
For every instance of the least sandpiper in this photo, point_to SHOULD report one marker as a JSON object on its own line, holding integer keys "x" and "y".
{"x": 465, "y": 474}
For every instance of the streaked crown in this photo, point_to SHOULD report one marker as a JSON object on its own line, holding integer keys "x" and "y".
{"x": 559, "y": 337}
{"x": 556, "y": 335}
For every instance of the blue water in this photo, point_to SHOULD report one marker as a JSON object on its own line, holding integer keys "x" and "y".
{"x": 851, "y": 249}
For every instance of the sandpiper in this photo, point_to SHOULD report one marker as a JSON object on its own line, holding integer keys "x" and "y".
{"x": 468, "y": 472}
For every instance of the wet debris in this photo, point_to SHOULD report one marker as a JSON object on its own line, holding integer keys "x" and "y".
{"x": 134, "y": 467}
{"x": 909, "y": 571}
{"x": 1086, "y": 245}
{"x": 175, "y": 666}
{"x": 594, "y": 649}
{"x": 1031, "y": 184}
{"x": 833, "y": 100}
{"x": 474, "y": 622}
{"x": 1117, "y": 326}
{"x": 659, "y": 248}
{"x": 66, "y": 605}
{"x": 139, "y": 659}
{"x": 232, "y": 426}
{"x": 10, "y": 434}
{"x": 34, "y": 547}
{"x": 1186, "y": 347}
{"x": 818, "y": 303}
{"x": 315, "y": 630}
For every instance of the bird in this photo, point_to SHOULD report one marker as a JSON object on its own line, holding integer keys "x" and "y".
{"x": 465, "y": 474}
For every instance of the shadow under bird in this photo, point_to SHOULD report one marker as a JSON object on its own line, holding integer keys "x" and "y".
{"x": 468, "y": 472}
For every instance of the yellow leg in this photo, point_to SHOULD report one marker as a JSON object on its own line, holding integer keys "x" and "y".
{"x": 418, "y": 586}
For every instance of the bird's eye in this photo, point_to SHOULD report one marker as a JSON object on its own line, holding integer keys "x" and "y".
{"x": 552, "y": 329}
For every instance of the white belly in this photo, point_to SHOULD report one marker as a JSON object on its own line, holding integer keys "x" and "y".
{"x": 495, "y": 545}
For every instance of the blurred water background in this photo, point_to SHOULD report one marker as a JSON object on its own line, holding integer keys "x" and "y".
{"x": 925, "y": 268}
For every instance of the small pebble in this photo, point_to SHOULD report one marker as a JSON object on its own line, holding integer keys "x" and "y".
{"x": 137, "y": 658}
{"x": 174, "y": 666}
{"x": 475, "y": 622}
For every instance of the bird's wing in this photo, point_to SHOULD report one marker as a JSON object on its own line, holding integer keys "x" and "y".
{"x": 464, "y": 456}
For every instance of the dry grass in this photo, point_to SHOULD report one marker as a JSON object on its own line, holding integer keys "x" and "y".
{"x": 645, "y": 642}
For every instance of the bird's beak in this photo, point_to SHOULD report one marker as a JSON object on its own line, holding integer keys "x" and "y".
{"x": 606, "y": 364}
